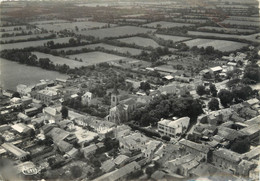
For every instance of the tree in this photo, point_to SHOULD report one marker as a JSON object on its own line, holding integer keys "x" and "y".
{"x": 241, "y": 145}
{"x": 145, "y": 86}
{"x": 16, "y": 94}
{"x": 76, "y": 171}
{"x": 213, "y": 90}
{"x": 201, "y": 90}
{"x": 166, "y": 138}
{"x": 64, "y": 112}
{"x": 252, "y": 72}
{"x": 242, "y": 93}
{"x": 213, "y": 104}
{"x": 225, "y": 96}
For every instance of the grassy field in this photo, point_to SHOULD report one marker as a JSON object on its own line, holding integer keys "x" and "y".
{"x": 143, "y": 42}
{"x": 131, "y": 51}
{"x": 172, "y": 38}
{"x": 36, "y": 43}
{"x": 165, "y": 24}
{"x": 221, "y": 45}
{"x": 244, "y": 18}
{"x": 93, "y": 58}
{"x": 115, "y": 32}
{"x": 24, "y": 37}
{"x": 12, "y": 28}
{"x": 190, "y": 20}
{"x": 241, "y": 23}
{"x": 48, "y": 22}
{"x": 71, "y": 26}
{"x": 226, "y": 30}
{"x": 60, "y": 60}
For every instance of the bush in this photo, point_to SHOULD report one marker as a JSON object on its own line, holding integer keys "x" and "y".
{"x": 166, "y": 138}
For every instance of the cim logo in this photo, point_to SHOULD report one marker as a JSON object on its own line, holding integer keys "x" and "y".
{"x": 29, "y": 171}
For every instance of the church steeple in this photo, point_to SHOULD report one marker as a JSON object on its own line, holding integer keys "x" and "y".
{"x": 114, "y": 97}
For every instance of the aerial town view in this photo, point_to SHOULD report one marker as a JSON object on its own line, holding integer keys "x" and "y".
{"x": 114, "y": 90}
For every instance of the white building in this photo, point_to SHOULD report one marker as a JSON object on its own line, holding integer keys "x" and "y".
{"x": 87, "y": 98}
{"x": 173, "y": 127}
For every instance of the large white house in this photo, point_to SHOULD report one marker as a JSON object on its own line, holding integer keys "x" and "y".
{"x": 173, "y": 127}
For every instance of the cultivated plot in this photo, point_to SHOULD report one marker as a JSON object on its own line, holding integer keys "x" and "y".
{"x": 59, "y": 60}
{"x": 165, "y": 24}
{"x": 115, "y": 32}
{"x": 139, "y": 41}
{"x": 93, "y": 58}
{"x": 172, "y": 38}
{"x": 221, "y": 45}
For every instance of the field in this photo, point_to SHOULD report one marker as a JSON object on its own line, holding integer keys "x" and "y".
{"x": 115, "y": 32}
{"x": 12, "y": 28}
{"x": 190, "y": 20}
{"x": 220, "y": 35}
{"x": 164, "y": 24}
{"x": 241, "y": 23}
{"x": 244, "y": 18}
{"x": 24, "y": 37}
{"x": 143, "y": 42}
{"x": 226, "y": 30}
{"x": 221, "y": 45}
{"x": 32, "y": 43}
{"x": 172, "y": 38}
{"x": 93, "y": 58}
{"x": 71, "y": 26}
{"x": 131, "y": 51}
{"x": 48, "y": 22}
{"x": 59, "y": 60}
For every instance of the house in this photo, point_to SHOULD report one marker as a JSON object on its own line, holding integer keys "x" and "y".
{"x": 251, "y": 131}
{"x": 252, "y": 154}
{"x": 87, "y": 98}
{"x": 152, "y": 147}
{"x": 72, "y": 153}
{"x": 251, "y": 102}
{"x": 57, "y": 134}
{"x": 17, "y": 152}
{"x": 134, "y": 141}
{"x": 63, "y": 146}
{"x": 23, "y": 117}
{"x": 51, "y": 113}
{"x": 89, "y": 150}
{"x": 194, "y": 148}
{"x": 215, "y": 70}
{"x": 46, "y": 95}
{"x": 108, "y": 166}
{"x": 226, "y": 159}
{"x": 244, "y": 167}
{"x": 121, "y": 173}
{"x": 173, "y": 128}
{"x": 22, "y": 129}
{"x": 121, "y": 160}
{"x": 254, "y": 173}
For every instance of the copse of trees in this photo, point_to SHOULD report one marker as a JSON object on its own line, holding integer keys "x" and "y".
{"x": 166, "y": 106}
{"x": 226, "y": 97}
{"x": 213, "y": 104}
{"x": 252, "y": 74}
{"x": 201, "y": 90}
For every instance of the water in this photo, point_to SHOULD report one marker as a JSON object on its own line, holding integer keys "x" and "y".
{"x": 13, "y": 73}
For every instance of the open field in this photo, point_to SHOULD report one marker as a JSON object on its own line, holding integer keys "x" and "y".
{"x": 48, "y": 22}
{"x": 190, "y": 20}
{"x": 139, "y": 41}
{"x": 244, "y": 18}
{"x": 59, "y": 60}
{"x": 115, "y": 32}
{"x": 165, "y": 24}
{"x": 14, "y": 73}
{"x": 24, "y": 37}
{"x": 226, "y": 30}
{"x": 36, "y": 43}
{"x": 93, "y": 58}
{"x": 132, "y": 51}
{"x": 252, "y": 37}
{"x": 72, "y": 25}
{"x": 12, "y": 28}
{"x": 172, "y": 38}
{"x": 241, "y": 23}
{"x": 221, "y": 45}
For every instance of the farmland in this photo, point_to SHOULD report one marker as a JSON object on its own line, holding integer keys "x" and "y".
{"x": 12, "y": 28}
{"x": 25, "y": 37}
{"x": 139, "y": 41}
{"x": 59, "y": 60}
{"x": 115, "y": 32}
{"x": 226, "y": 30}
{"x": 48, "y": 22}
{"x": 165, "y": 24}
{"x": 27, "y": 44}
{"x": 221, "y": 45}
{"x": 241, "y": 23}
{"x": 172, "y": 38}
{"x": 132, "y": 51}
{"x": 93, "y": 58}
{"x": 72, "y": 26}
